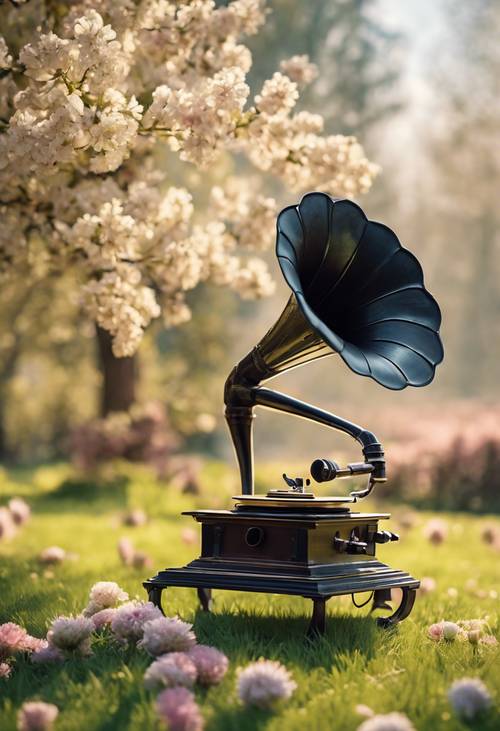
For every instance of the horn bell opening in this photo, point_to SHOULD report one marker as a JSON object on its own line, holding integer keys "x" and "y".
{"x": 359, "y": 290}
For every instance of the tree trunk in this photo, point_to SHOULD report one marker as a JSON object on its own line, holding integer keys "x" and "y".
{"x": 119, "y": 376}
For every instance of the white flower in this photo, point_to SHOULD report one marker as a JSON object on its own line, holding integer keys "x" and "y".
{"x": 169, "y": 671}
{"x": 278, "y": 96}
{"x": 71, "y": 634}
{"x": 264, "y": 683}
{"x": 388, "y": 722}
{"x": 52, "y": 555}
{"x": 167, "y": 634}
{"x": 469, "y": 697}
{"x": 103, "y": 595}
{"x": 299, "y": 69}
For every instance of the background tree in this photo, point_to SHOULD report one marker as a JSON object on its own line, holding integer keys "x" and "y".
{"x": 85, "y": 116}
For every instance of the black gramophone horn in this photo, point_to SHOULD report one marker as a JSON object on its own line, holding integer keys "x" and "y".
{"x": 356, "y": 292}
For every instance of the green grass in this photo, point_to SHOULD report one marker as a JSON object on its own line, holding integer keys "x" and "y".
{"x": 354, "y": 663}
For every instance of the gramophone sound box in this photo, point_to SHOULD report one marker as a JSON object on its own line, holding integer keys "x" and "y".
{"x": 357, "y": 294}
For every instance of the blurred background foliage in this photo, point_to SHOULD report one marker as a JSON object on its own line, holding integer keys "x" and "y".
{"x": 418, "y": 84}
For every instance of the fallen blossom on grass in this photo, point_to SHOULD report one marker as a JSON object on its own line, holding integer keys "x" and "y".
{"x": 167, "y": 634}
{"x": 141, "y": 560}
{"x": 264, "y": 683}
{"x": 71, "y": 634}
{"x": 387, "y": 722}
{"x": 135, "y": 518}
{"x": 5, "y": 669}
{"x": 171, "y": 670}
{"x": 36, "y": 716}
{"x": 130, "y": 556}
{"x": 52, "y": 555}
{"x": 211, "y": 664}
{"x": 490, "y": 534}
{"x": 363, "y": 710}
{"x": 8, "y": 528}
{"x": 490, "y": 640}
{"x": 103, "y": 618}
{"x": 436, "y": 531}
{"x": 469, "y": 697}
{"x": 178, "y": 709}
{"x": 103, "y": 595}
{"x": 450, "y": 630}
{"x": 435, "y": 631}
{"x": 427, "y": 585}
{"x": 20, "y": 510}
{"x": 126, "y": 551}
{"x": 130, "y": 618}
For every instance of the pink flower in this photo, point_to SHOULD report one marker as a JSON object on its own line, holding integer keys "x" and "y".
{"x": 5, "y": 669}
{"x": 71, "y": 634}
{"x": 436, "y": 531}
{"x": 179, "y": 710}
{"x": 52, "y": 555}
{"x": 20, "y": 510}
{"x": 126, "y": 551}
{"x": 210, "y": 663}
{"x": 36, "y": 716}
{"x": 263, "y": 683}
{"x": 103, "y": 618}
{"x": 469, "y": 697}
{"x": 435, "y": 631}
{"x": 12, "y": 638}
{"x": 387, "y": 722}
{"x": 167, "y": 634}
{"x": 171, "y": 670}
{"x": 489, "y": 640}
{"x": 130, "y": 618}
{"x": 34, "y": 644}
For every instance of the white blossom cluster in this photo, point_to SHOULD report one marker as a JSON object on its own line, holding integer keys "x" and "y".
{"x": 89, "y": 92}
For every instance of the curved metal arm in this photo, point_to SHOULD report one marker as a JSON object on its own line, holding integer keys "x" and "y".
{"x": 239, "y": 415}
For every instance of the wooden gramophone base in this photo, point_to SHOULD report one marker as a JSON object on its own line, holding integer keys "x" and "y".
{"x": 379, "y": 579}
{"x": 310, "y": 552}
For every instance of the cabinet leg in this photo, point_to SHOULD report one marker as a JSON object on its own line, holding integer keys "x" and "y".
{"x": 381, "y": 599}
{"x": 205, "y": 597}
{"x": 402, "y": 611}
{"x": 154, "y": 596}
{"x": 317, "y": 625}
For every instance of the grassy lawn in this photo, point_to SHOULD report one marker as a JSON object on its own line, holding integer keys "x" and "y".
{"x": 355, "y": 663}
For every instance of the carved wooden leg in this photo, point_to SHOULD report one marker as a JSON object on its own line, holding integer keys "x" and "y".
{"x": 317, "y": 625}
{"x": 205, "y": 597}
{"x": 381, "y": 599}
{"x": 402, "y": 611}
{"x": 154, "y": 596}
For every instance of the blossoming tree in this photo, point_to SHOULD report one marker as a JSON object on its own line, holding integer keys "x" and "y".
{"x": 89, "y": 90}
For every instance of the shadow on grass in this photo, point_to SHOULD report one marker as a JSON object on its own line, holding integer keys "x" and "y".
{"x": 251, "y": 636}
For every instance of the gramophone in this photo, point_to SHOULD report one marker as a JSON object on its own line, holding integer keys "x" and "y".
{"x": 356, "y": 293}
